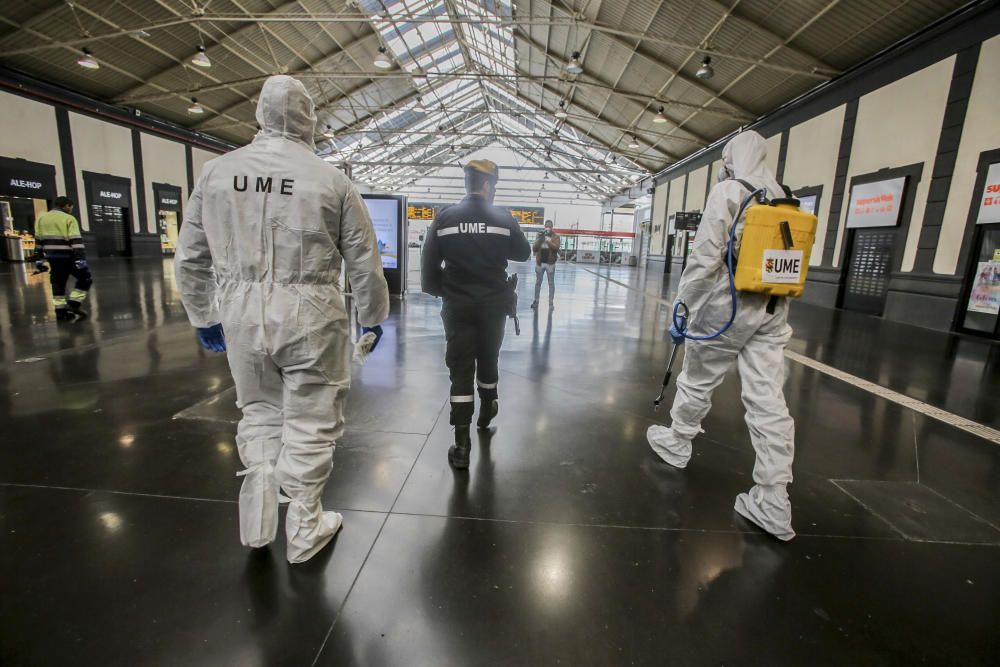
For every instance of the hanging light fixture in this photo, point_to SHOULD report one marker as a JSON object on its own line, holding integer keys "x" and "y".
{"x": 329, "y": 133}
{"x": 200, "y": 58}
{"x": 87, "y": 60}
{"x": 196, "y": 107}
{"x": 633, "y": 142}
{"x": 574, "y": 66}
{"x": 706, "y": 71}
{"x": 382, "y": 60}
{"x": 660, "y": 118}
{"x": 561, "y": 112}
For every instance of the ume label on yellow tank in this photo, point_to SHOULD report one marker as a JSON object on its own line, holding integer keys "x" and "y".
{"x": 774, "y": 249}
{"x": 782, "y": 266}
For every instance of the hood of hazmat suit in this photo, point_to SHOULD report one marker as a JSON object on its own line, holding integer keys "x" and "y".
{"x": 755, "y": 342}
{"x": 267, "y": 231}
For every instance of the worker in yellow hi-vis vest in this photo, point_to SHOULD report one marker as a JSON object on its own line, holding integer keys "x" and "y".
{"x": 57, "y": 234}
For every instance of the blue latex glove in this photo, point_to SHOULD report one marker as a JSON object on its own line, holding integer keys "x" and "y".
{"x": 676, "y": 335}
{"x": 212, "y": 338}
{"x": 377, "y": 330}
{"x": 81, "y": 264}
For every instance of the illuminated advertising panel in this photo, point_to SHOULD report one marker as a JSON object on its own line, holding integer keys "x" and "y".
{"x": 877, "y": 204}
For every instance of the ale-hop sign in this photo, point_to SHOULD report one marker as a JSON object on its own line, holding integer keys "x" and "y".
{"x": 989, "y": 207}
{"x": 782, "y": 266}
{"x": 876, "y": 204}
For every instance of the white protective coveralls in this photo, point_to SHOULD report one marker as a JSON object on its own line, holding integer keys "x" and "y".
{"x": 264, "y": 236}
{"x": 756, "y": 342}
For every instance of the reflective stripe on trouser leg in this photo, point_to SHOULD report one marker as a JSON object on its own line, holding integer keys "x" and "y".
{"x": 59, "y": 271}
{"x": 77, "y": 295}
{"x": 462, "y": 409}
{"x": 487, "y": 390}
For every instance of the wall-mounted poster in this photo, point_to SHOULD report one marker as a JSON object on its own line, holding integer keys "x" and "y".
{"x": 877, "y": 204}
{"x": 985, "y": 296}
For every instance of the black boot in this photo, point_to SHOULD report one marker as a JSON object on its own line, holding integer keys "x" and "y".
{"x": 77, "y": 309}
{"x": 64, "y": 315}
{"x": 458, "y": 454}
{"x": 487, "y": 411}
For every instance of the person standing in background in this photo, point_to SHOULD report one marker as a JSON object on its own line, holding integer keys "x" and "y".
{"x": 546, "y": 255}
{"x": 57, "y": 234}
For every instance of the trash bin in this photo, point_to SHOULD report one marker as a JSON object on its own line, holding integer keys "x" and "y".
{"x": 13, "y": 249}
{"x": 633, "y": 260}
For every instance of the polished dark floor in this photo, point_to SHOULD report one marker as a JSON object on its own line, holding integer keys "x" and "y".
{"x": 566, "y": 542}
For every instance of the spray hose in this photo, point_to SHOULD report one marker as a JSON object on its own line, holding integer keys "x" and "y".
{"x": 679, "y": 317}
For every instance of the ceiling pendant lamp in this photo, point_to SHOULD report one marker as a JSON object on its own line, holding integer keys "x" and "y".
{"x": 660, "y": 118}
{"x": 574, "y": 66}
{"x": 329, "y": 133}
{"x": 561, "y": 112}
{"x": 382, "y": 60}
{"x": 706, "y": 71}
{"x": 196, "y": 108}
{"x": 87, "y": 60}
{"x": 633, "y": 142}
{"x": 200, "y": 58}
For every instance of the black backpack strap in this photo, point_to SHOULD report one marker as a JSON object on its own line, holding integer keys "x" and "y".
{"x": 751, "y": 188}
{"x": 788, "y": 191}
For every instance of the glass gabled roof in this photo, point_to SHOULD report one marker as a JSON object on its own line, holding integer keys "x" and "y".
{"x": 446, "y": 48}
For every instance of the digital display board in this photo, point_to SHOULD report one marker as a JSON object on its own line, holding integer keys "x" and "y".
{"x": 418, "y": 211}
{"x": 525, "y": 215}
{"x": 385, "y": 218}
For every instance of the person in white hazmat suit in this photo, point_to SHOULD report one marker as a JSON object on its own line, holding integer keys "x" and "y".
{"x": 755, "y": 342}
{"x": 258, "y": 264}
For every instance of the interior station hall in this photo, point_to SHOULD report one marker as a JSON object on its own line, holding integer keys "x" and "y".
{"x": 568, "y": 538}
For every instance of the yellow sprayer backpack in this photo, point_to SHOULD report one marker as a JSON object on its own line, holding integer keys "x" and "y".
{"x": 773, "y": 259}
{"x": 774, "y": 251}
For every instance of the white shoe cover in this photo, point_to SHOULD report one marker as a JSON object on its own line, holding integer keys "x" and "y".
{"x": 668, "y": 446}
{"x": 307, "y": 535}
{"x": 258, "y": 505}
{"x": 768, "y": 508}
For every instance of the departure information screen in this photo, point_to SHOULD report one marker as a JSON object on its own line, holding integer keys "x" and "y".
{"x": 525, "y": 215}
